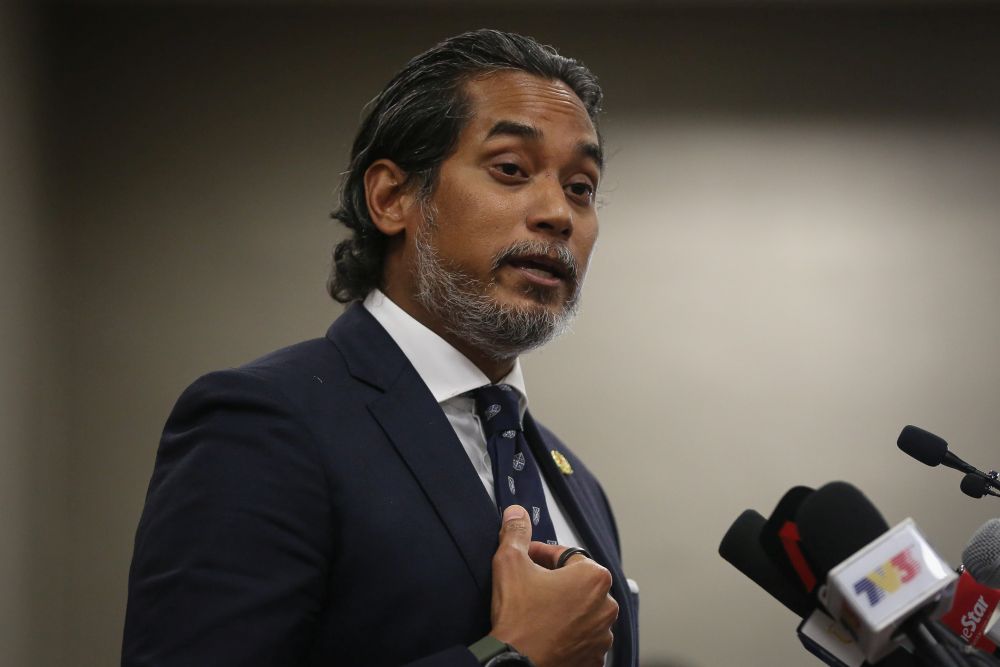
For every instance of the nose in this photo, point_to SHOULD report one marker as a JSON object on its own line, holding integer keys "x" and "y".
{"x": 550, "y": 214}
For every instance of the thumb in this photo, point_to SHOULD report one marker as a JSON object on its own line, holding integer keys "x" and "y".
{"x": 546, "y": 555}
{"x": 516, "y": 529}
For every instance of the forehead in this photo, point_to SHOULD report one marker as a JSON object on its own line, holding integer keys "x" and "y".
{"x": 530, "y": 100}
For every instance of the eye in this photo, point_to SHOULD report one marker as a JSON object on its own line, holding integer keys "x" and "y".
{"x": 509, "y": 169}
{"x": 582, "y": 191}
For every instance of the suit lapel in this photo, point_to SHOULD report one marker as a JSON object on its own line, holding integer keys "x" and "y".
{"x": 423, "y": 437}
{"x": 425, "y": 440}
{"x": 582, "y": 507}
{"x": 567, "y": 489}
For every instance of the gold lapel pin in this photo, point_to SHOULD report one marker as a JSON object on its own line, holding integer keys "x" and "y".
{"x": 561, "y": 463}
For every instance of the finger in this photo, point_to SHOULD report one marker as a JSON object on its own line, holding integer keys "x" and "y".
{"x": 569, "y": 553}
{"x": 546, "y": 555}
{"x": 574, "y": 558}
{"x": 516, "y": 529}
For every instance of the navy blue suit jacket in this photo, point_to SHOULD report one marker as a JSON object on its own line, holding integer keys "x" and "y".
{"x": 315, "y": 507}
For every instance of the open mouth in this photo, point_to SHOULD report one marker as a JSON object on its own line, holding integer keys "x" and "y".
{"x": 544, "y": 268}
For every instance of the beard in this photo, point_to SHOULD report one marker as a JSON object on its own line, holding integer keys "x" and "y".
{"x": 469, "y": 312}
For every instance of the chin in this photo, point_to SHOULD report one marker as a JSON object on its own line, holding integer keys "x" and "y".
{"x": 536, "y": 297}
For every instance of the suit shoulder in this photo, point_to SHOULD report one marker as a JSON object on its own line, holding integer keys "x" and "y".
{"x": 294, "y": 361}
{"x": 303, "y": 370}
{"x": 304, "y": 376}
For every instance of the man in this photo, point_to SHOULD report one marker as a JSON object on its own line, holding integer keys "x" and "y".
{"x": 338, "y": 502}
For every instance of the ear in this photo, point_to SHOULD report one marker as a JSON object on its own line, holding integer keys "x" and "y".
{"x": 389, "y": 199}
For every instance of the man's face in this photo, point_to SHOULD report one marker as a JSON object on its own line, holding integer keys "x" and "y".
{"x": 507, "y": 235}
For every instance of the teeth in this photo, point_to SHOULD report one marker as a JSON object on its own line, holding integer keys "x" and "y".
{"x": 541, "y": 273}
{"x": 540, "y": 270}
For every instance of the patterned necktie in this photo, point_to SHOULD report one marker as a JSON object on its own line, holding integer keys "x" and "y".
{"x": 516, "y": 480}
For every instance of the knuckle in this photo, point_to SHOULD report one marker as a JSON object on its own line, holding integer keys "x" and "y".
{"x": 611, "y": 616}
{"x": 613, "y": 609}
{"x": 602, "y": 577}
{"x": 506, "y": 554}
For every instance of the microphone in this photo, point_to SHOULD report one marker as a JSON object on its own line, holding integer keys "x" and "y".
{"x": 741, "y": 548}
{"x": 878, "y": 582}
{"x": 780, "y": 540}
{"x": 981, "y": 556}
{"x": 976, "y": 487}
{"x": 820, "y": 635}
{"x": 982, "y": 561}
{"x": 932, "y": 450}
{"x": 971, "y": 612}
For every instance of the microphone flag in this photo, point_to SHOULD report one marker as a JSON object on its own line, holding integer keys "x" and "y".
{"x": 878, "y": 588}
{"x": 971, "y": 611}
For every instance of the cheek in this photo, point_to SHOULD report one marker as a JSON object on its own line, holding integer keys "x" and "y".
{"x": 586, "y": 240}
{"x": 477, "y": 218}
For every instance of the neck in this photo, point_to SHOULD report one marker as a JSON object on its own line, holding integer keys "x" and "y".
{"x": 492, "y": 368}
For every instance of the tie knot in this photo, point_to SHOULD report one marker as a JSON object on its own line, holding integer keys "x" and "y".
{"x": 498, "y": 408}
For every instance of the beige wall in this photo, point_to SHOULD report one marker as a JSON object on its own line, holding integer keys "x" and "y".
{"x": 800, "y": 253}
{"x": 33, "y": 377}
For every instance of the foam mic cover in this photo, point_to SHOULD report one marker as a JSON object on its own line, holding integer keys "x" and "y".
{"x": 930, "y": 449}
{"x": 835, "y": 522}
{"x": 981, "y": 556}
{"x": 922, "y": 445}
{"x": 779, "y": 537}
{"x": 975, "y": 485}
{"x": 741, "y": 548}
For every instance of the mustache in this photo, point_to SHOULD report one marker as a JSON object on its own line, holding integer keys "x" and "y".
{"x": 557, "y": 252}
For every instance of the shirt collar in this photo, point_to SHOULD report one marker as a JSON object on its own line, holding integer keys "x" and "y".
{"x": 446, "y": 371}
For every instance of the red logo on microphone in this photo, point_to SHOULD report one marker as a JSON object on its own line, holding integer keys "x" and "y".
{"x": 971, "y": 610}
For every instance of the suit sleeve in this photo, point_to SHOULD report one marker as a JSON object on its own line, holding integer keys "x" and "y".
{"x": 233, "y": 550}
{"x": 230, "y": 556}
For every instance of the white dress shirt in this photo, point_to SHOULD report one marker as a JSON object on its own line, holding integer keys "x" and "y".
{"x": 450, "y": 376}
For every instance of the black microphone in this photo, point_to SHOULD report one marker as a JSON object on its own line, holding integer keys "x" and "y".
{"x": 878, "y": 581}
{"x": 932, "y": 450}
{"x": 837, "y": 524}
{"x": 975, "y": 486}
{"x": 779, "y": 538}
{"x": 742, "y": 548}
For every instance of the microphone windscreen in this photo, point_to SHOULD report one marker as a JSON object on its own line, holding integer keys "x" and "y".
{"x": 982, "y": 555}
{"x": 771, "y": 535}
{"x": 741, "y": 547}
{"x": 834, "y": 523}
{"x": 922, "y": 445}
{"x": 974, "y": 485}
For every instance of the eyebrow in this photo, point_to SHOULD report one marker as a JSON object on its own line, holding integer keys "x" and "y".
{"x": 513, "y": 128}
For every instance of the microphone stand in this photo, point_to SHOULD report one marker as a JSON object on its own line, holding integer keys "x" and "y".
{"x": 964, "y": 652}
{"x": 928, "y": 651}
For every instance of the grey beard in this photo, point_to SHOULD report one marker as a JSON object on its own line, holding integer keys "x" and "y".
{"x": 462, "y": 302}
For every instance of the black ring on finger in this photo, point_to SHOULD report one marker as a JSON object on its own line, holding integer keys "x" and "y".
{"x": 569, "y": 553}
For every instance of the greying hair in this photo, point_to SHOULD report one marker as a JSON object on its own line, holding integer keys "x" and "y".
{"x": 415, "y": 122}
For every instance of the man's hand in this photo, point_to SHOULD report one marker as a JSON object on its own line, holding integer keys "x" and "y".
{"x": 558, "y": 618}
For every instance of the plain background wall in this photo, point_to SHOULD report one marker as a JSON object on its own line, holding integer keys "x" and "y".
{"x": 800, "y": 254}
{"x": 34, "y": 382}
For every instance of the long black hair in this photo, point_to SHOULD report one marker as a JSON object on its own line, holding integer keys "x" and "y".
{"x": 415, "y": 122}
